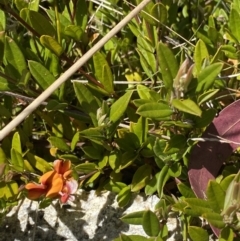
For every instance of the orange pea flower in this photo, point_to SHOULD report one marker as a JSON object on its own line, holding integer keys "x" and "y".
{"x": 55, "y": 183}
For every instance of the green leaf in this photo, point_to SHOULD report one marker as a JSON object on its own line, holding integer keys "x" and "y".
{"x": 114, "y": 186}
{"x": 200, "y": 54}
{"x": 5, "y": 112}
{"x": 38, "y": 163}
{"x": 75, "y": 140}
{"x": 41, "y": 74}
{"x": 8, "y": 190}
{"x": 5, "y": 85}
{"x": 162, "y": 179}
{"x": 114, "y": 160}
{"x": 93, "y": 134}
{"x": 119, "y": 106}
{"x": 124, "y": 237}
{"x": 175, "y": 169}
{"x": 151, "y": 224}
{"x": 86, "y": 167}
{"x": 20, "y": 4}
{"x": 140, "y": 129}
{"x": 197, "y": 207}
{"x": 214, "y": 219}
{"x": 147, "y": 94}
{"x": 73, "y": 158}
{"x": 154, "y": 110}
{"x": 185, "y": 190}
{"x": 74, "y": 32}
{"x": 81, "y": 15}
{"x": 151, "y": 186}
{"x": 2, "y": 20}
{"x": 145, "y": 65}
{"x": 159, "y": 11}
{"x": 93, "y": 177}
{"x": 16, "y": 142}
{"x": 124, "y": 196}
{"x": 206, "y": 118}
{"x": 206, "y": 96}
{"x": 62, "y": 126}
{"x": 226, "y": 234}
{"x": 14, "y": 57}
{"x": 27, "y": 125}
{"x": 168, "y": 65}
{"x": 34, "y": 5}
{"x": 176, "y": 143}
{"x": 91, "y": 152}
{"x": 234, "y": 22}
{"x": 2, "y": 43}
{"x": 140, "y": 177}
{"x": 207, "y": 76}
{"x": 59, "y": 143}
{"x": 38, "y": 22}
{"x": 17, "y": 160}
{"x": 51, "y": 44}
{"x": 135, "y": 218}
{"x": 147, "y": 52}
{"x": 146, "y": 13}
{"x": 198, "y": 234}
{"x": 187, "y": 106}
{"x": 226, "y": 182}
{"x": 87, "y": 101}
{"x": 55, "y": 105}
{"x": 128, "y": 158}
{"x": 201, "y": 34}
{"x": 103, "y": 72}
{"x": 215, "y": 195}
{"x": 127, "y": 141}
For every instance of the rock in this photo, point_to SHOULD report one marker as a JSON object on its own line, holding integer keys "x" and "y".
{"x": 90, "y": 217}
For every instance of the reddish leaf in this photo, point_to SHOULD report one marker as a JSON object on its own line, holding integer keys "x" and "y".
{"x": 207, "y": 158}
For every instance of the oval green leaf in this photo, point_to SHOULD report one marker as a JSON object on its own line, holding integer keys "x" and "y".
{"x": 207, "y": 76}
{"x": 198, "y": 234}
{"x": 124, "y": 196}
{"x": 151, "y": 224}
{"x": 135, "y": 218}
{"x": 74, "y": 32}
{"x": 51, "y": 44}
{"x": 154, "y": 110}
{"x": 87, "y": 101}
{"x": 140, "y": 177}
{"x": 38, "y": 163}
{"x": 119, "y": 106}
{"x": 103, "y": 72}
{"x": 58, "y": 143}
{"x": 86, "y": 167}
{"x": 38, "y": 22}
{"x": 215, "y": 195}
{"x": 17, "y": 160}
{"x": 16, "y": 63}
{"x": 200, "y": 54}
{"x": 187, "y": 106}
{"x": 168, "y": 65}
{"x": 41, "y": 74}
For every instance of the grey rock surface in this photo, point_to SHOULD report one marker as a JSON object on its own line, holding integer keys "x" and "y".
{"x": 89, "y": 218}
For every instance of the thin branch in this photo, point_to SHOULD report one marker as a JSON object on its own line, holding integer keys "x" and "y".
{"x": 67, "y": 74}
{"x": 216, "y": 139}
{"x": 29, "y": 99}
